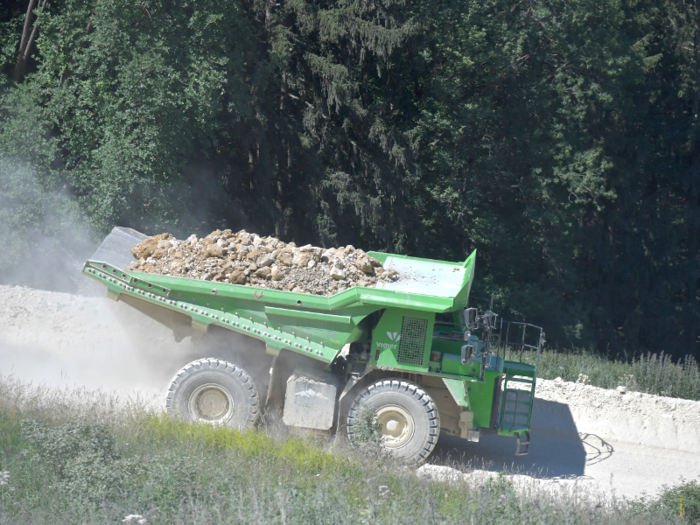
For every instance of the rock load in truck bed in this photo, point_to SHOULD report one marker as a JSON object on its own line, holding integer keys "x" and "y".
{"x": 247, "y": 259}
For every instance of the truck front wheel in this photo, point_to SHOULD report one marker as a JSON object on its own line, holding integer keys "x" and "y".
{"x": 405, "y": 413}
{"x": 213, "y": 391}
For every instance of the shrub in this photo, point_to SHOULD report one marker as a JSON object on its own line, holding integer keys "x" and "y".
{"x": 670, "y": 500}
{"x": 82, "y": 457}
{"x": 658, "y": 374}
{"x": 368, "y": 432}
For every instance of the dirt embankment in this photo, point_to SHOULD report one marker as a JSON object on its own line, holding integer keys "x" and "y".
{"x": 629, "y": 417}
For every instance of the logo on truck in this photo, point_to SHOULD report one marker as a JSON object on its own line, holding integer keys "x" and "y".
{"x": 394, "y": 336}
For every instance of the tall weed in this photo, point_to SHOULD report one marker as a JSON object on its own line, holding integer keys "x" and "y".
{"x": 142, "y": 467}
{"x": 658, "y": 374}
{"x": 651, "y": 373}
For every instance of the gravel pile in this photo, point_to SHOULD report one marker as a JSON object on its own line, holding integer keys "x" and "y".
{"x": 266, "y": 262}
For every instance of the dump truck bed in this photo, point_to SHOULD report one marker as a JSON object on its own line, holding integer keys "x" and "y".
{"x": 425, "y": 284}
{"x": 314, "y": 325}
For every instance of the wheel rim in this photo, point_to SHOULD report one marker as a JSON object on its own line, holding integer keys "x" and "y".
{"x": 397, "y": 425}
{"x": 211, "y": 403}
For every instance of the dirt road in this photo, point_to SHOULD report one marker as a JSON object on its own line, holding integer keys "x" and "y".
{"x": 630, "y": 443}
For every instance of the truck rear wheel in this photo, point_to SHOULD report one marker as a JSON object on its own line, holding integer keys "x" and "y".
{"x": 408, "y": 417}
{"x": 213, "y": 391}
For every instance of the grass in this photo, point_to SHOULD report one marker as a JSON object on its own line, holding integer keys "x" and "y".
{"x": 650, "y": 373}
{"x": 70, "y": 456}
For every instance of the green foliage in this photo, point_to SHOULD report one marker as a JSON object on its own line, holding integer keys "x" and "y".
{"x": 659, "y": 374}
{"x": 650, "y": 373}
{"x": 293, "y": 452}
{"x": 557, "y": 138}
{"x": 138, "y": 96}
{"x": 11, "y": 19}
{"x": 368, "y": 432}
{"x": 85, "y": 463}
{"x": 670, "y": 501}
{"x": 101, "y": 462}
{"x": 82, "y": 457}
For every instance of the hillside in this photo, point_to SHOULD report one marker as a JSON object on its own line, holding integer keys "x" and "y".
{"x": 630, "y": 442}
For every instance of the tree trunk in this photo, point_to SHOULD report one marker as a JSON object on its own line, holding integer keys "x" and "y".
{"x": 28, "y": 39}
{"x": 282, "y": 184}
{"x": 694, "y": 201}
{"x": 279, "y": 203}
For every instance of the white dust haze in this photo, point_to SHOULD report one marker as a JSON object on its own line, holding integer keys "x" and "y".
{"x": 57, "y": 326}
{"x": 69, "y": 340}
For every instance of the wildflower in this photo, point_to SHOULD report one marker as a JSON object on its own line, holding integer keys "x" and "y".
{"x": 583, "y": 379}
{"x": 135, "y": 518}
{"x": 4, "y": 478}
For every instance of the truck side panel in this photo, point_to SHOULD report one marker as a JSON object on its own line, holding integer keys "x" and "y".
{"x": 402, "y": 339}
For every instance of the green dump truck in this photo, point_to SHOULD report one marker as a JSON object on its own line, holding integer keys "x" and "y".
{"x": 406, "y": 353}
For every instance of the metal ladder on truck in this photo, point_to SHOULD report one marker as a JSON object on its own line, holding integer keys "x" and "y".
{"x": 519, "y": 384}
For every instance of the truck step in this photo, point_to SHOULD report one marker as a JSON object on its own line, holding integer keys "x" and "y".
{"x": 518, "y": 393}
{"x": 516, "y": 413}
{"x": 519, "y": 380}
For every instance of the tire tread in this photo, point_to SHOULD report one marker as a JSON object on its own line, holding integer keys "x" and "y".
{"x": 413, "y": 390}
{"x": 214, "y": 364}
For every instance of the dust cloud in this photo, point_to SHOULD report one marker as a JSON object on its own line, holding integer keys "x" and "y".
{"x": 57, "y": 326}
{"x": 74, "y": 336}
{"x": 44, "y": 239}
{"x": 62, "y": 339}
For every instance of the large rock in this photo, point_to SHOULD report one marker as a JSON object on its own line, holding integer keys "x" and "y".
{"x": 265, "y": 260}
{"x": 278, "y": 274}
{"x": 338, "y": 273}
{"x": 214, "y": 250}
{"x": 301, "y": 259}
{"x": 364, "y": 265}
{"x": 237, "y": 277}
{"x": 264, "y": 272}
{"x": 285, "y": 258}
{"x": 146, "y": 247}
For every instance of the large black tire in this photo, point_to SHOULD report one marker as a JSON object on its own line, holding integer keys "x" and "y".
{"x": 409, "y": 419}
{"x": 214, "y": 391}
